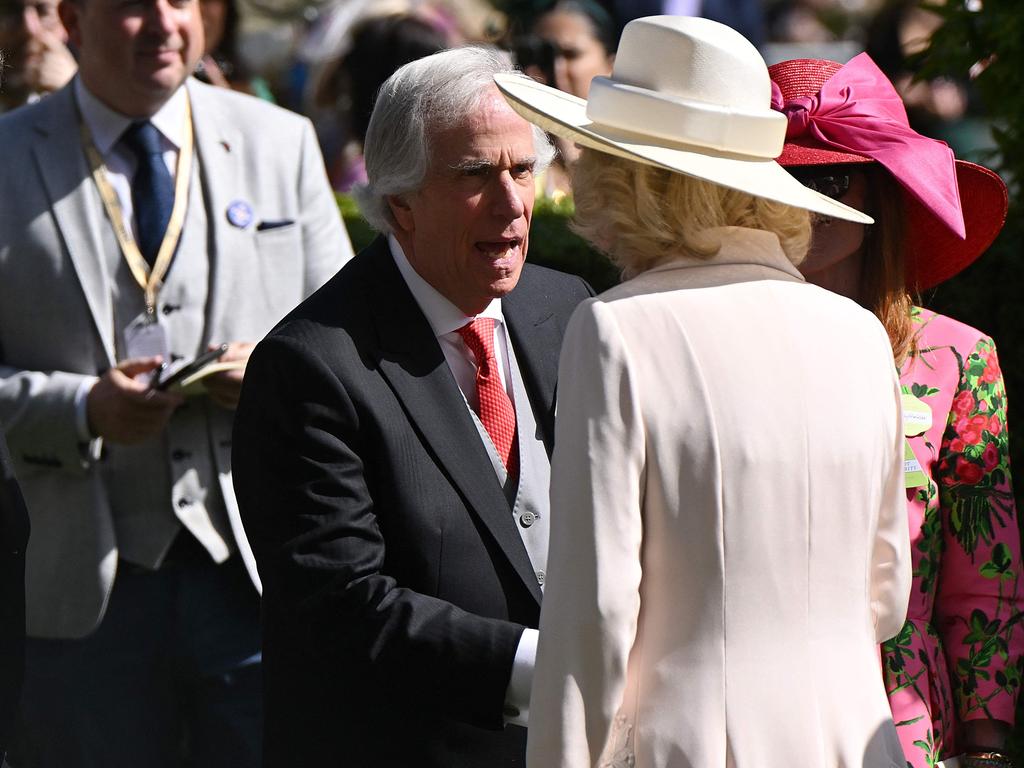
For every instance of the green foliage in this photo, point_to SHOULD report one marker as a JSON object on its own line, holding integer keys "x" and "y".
{"x": 990, "y": 39}
{"x": 552, "y": 244}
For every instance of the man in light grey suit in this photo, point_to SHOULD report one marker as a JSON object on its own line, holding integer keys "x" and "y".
{"x": 143, "y": 218}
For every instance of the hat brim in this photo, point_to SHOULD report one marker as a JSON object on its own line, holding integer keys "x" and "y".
{"x": 566, "y": 115}
{"x": 934, "y": 253}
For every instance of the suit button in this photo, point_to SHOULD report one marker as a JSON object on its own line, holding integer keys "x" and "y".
{"x": 179, "y": 455}
{"x": 527, "y": 519}
{"x": 540, "y": 577}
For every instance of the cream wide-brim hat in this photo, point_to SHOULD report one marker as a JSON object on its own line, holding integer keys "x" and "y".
{"x": 688, "y": 95}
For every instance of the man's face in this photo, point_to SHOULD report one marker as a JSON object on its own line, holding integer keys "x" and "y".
{"x": 23, "y": 23}
{"x": 133, "y": 54}
{"x": 466, "y": 230}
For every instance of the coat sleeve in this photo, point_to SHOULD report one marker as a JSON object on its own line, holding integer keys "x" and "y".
{"x": 301, "y": 459}
{"x": 980, "y": 602}
{"x": 891, "y": 575}
{"x": 39, "y": 411}
{"x": 592, "y": 601}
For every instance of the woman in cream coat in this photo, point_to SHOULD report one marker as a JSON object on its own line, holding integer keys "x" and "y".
{"x": 728, "y": 535}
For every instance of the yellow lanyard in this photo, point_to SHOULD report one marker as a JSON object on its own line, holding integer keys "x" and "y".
{"x": 149, "y": 281}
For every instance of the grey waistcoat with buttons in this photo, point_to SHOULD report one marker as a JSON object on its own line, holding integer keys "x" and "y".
{"x": 169, "y": 480}
{"x": 529, "y": 498}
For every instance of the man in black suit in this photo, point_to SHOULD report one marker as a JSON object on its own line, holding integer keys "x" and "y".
{"x": 13, "y": 538}
{"x": 391, "y": 448}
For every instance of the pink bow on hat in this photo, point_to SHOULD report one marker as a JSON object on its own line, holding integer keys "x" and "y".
{"x": 858, "y": 111}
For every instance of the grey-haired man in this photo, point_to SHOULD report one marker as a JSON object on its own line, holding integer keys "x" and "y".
{"x": 391, "y": 448}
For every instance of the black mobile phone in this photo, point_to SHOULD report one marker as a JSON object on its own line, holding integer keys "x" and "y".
{"x": 189, "y": 368}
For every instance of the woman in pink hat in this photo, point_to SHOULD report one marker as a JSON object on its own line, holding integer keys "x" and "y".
{"x": 953, "y": 673}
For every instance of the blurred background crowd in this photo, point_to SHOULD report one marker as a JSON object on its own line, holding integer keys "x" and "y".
{"x": 326, "y": 58}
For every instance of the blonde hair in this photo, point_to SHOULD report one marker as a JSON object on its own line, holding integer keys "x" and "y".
{"x": 642, "y": 216}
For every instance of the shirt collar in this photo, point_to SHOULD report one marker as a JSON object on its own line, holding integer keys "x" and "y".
{"x": 106, "y": 125}
{"x": 443, "y": 316}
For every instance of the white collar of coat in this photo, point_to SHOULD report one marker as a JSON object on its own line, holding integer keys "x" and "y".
{"x": 740, "y": 246}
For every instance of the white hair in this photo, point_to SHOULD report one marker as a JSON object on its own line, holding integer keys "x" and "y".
{"x": 421, "y": 98}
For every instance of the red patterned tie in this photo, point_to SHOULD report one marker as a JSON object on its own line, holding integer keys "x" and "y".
{"x": 497, "y": 413}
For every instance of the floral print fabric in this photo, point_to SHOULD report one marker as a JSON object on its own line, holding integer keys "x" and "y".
{"x": 959, "y": 655}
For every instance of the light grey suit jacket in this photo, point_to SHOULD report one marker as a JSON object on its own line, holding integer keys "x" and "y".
{"x": 56, "y": 321}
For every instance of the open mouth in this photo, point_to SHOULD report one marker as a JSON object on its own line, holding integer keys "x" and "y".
{"x": 500, "y": 251}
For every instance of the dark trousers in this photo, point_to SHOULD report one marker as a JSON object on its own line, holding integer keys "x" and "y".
{"x": 171, "y": 678}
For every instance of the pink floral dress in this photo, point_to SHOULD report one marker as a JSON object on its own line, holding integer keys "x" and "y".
{"x": 960, "y": 656}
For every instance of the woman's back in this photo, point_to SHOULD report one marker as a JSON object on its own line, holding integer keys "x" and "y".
{"x": 755, "y": 421}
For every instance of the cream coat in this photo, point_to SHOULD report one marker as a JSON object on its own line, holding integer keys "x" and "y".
{"x": 728, "y": 535}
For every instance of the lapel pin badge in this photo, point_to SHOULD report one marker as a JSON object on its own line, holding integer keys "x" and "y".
{"x": 239, "y": 214}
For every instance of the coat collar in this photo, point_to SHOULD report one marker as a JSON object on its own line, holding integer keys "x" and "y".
{"x": 413, "y": 364}
{"x": 740, "y": 246}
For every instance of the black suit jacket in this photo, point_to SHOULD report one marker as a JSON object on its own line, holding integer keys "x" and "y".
{"x": 13, "y": 538}
{"x": 396, "y": 586}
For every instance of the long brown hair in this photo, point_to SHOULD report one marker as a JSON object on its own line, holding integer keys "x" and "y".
{"x": 883, "y": 282}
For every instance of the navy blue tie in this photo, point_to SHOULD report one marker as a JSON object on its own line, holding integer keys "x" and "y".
{"x": 152, "y": 188}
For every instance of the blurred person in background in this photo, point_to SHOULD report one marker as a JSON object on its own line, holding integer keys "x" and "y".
{"x": 220, "y": 63}
{"x": 899, "y": 31}
{"x": 745, "y": 16}
{"x": 347, "y": 88}
{"x": 953, "y": 672}
{"x": 582, "y": 38}
{"x": 37, "y": 59}
{"x": 569, "y": 44}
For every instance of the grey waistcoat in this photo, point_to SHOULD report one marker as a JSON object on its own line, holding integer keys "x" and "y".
{"x": 529, "y": 498}
{"x": 168, "y": 481}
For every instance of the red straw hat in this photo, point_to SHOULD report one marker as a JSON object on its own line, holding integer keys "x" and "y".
{"x": 852, "y": 114}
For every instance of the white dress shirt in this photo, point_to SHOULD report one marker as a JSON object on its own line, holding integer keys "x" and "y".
{"x": 107, "y": 126}
{"x": 445, "y": 320}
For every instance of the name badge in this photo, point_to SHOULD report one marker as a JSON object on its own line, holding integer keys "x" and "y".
{"x": 913, "y": 475}
{"x": 145, "y": 337}
{"x": 917, "y": 419}
{"x": 917, "y": 416}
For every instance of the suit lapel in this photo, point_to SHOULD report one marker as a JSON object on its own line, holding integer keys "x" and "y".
{"x": 537, "y": 339}
{"x": 76, "y": 207}
{"x": 413, "y": 364}
{"x": 219, "y": 149}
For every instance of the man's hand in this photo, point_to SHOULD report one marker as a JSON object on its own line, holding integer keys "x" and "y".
{"x": 47, "y": 61}
{"x": 224, "y": 387}
{"x": 123, "y": 409}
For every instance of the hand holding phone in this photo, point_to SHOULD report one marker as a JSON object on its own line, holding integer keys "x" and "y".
{"x": 170, "y": 377}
